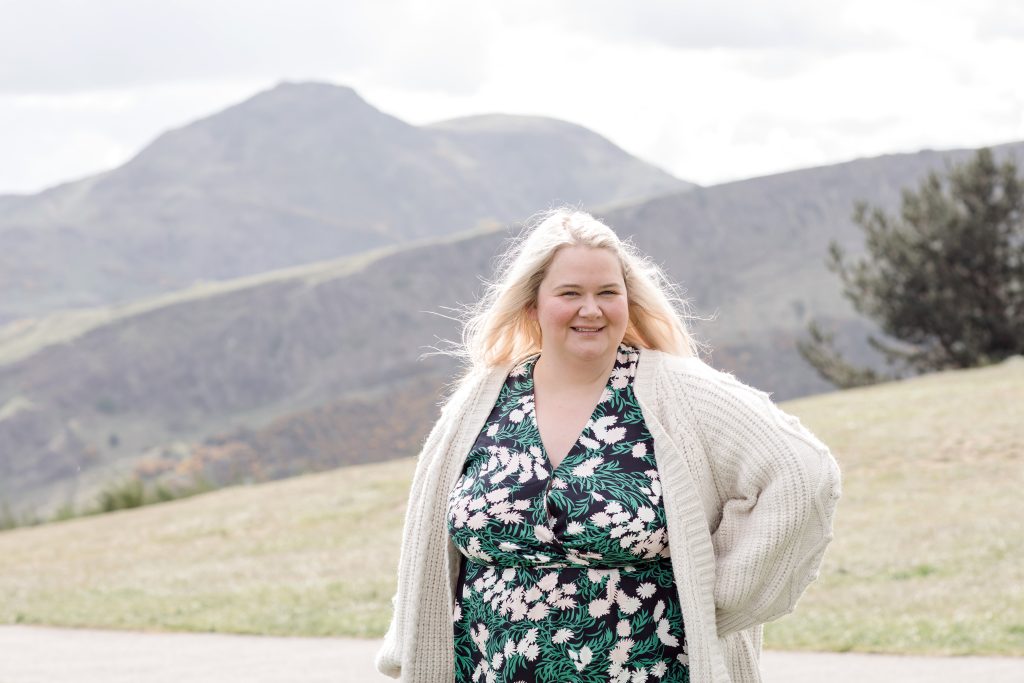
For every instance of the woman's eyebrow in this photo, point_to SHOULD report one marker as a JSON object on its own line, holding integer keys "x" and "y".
{"x": 607, "y": 286}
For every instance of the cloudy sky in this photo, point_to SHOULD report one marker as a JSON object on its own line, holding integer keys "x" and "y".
{"x": 709, "y": 91}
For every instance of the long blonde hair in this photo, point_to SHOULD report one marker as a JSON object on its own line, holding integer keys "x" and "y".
{"x": 497, "y": 331}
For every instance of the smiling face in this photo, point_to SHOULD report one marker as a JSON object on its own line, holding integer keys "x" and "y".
{"x": 582, "y": 306}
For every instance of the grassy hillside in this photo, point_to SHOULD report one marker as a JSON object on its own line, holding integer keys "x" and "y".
{"x": 927, "y": 557}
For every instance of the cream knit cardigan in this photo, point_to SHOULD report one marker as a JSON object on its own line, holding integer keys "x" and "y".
{"x": 749, "y": 497}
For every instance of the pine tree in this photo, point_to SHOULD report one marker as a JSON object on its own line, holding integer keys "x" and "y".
{"x": 944, "y": 280}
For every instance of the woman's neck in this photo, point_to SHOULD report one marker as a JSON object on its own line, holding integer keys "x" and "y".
{"x": 567, "y": 373}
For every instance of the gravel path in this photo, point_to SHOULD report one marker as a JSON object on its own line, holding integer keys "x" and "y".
{"x": 34, "y": 654}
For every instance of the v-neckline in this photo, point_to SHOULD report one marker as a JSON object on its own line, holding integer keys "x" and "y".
{"x": 552, "y": 468}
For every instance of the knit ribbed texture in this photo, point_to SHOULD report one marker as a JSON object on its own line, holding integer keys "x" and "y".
{"x": 749, "y": 493}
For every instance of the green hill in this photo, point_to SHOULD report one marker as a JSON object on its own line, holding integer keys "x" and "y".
{"x": 927, "y": 556}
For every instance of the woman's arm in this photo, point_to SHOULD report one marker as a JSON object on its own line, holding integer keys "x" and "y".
{"x": 420, "y": 527}
{"x": 782, "y": 485}
{"x": 389, "y": 657}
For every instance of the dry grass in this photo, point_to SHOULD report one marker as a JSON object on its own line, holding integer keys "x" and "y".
{"x": 929, "y": 548}
{"x": 928, "y": 556}
{"x": 314, "y": 555}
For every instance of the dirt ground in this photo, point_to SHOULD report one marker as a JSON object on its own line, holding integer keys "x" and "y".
{"x": 33, "y": 654}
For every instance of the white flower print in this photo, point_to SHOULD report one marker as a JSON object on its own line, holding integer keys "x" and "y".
{"x": 602, "y": 428}
{"x": 586, "y": 468}
{"x": 498, "y": 494}
{"x": 525, "y": 408}
{"x": 577, "y": 557}
{"x": 663, "y": 634}
{"x": 623, "y": 628}
{"x": 510, "y": 517}
{"x": 480, "y": 636}
{"x": 566, "y": 602}
{"x": 627, "y": 604}
{"x": 474, "y": 549}
{"x": 581, "y": 658}
{"x": 538, "y": 611}
{"x": 543, "y": 533}
{"x": 562, "y": 635}
{"x": 640, "y": 450}
{"x": 646, "y": 590}
{"x": 548, "y": 582}
{"x": 598, "y": 608}
{"x": 477, "y": 521}
{"x": 493, "y": 429}
{"x": 620, "y": 653}
{"x": 575, "y": 528}
{"x": 659, "y": 669}
{"x": 601, "y": 519}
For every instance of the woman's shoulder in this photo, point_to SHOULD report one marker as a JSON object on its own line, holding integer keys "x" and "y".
{"x": 687, "y": 368}
{"x": 699, "y": 383}
{"x": 474, "y": 380}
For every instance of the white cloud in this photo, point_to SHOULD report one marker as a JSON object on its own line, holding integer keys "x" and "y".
{"x": 816, "y": 25}
{"x": 49, "y": 46}
{"x": 709, "y": 91}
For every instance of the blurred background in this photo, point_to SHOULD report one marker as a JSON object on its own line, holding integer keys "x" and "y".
{"x": 230, "y": 230}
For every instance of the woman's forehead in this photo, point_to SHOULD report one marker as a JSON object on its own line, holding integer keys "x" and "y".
{"x": 590, "y": 264}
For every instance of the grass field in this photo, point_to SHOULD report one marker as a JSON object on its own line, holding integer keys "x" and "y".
{"x": 928, "y": 555}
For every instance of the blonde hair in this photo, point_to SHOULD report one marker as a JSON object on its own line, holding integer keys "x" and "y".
{"x": 497, "y": 330}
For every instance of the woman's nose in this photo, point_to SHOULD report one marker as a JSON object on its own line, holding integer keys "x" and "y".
{"x": 589, "y": 307}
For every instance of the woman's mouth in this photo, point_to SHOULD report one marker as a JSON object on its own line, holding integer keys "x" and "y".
{"x": 587, "y": 331}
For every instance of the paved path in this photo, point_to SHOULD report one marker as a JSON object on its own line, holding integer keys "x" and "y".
{"x": 33, "y": 654}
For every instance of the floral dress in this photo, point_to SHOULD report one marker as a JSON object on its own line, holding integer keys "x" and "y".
{"x": 566, "y": 575}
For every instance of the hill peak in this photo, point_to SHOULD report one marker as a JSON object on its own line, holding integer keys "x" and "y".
{"x": 489, "y": 123}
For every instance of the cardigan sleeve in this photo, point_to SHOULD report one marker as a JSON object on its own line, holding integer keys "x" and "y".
{"x": 416, "y": 530}
{"x": 389, "y": 657}
{"x": 780, "y": 484}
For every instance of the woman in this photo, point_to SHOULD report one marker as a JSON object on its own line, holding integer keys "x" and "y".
{"x": 595, "y": 503}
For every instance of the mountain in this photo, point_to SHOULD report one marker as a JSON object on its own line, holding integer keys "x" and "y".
{"x": 299, "y": 173}
{"x": 318, "y": 366}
